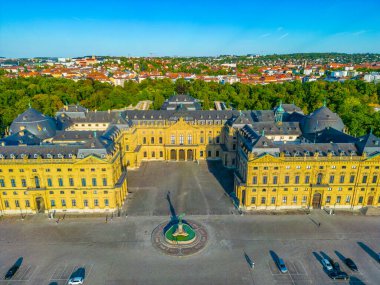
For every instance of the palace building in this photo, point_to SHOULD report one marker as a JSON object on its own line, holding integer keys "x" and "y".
{"x": 78, "y": 161}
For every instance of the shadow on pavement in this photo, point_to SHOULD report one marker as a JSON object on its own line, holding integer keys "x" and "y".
{"x": 340, "y": 256}
{"x": 356, "y": 281}
{"x": 368, "y": 250}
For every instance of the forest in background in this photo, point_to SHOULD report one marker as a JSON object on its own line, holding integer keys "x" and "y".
{"x": 350, "y": 99}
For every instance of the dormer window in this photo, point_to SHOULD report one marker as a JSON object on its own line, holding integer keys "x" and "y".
{"x": 60, "y": 155}
{"x": 81, "y": 156}
{"x": 70, "y": 155}
{"x": 1, "y": 156}
{"x": 12, "y": 155}
{"x": 35, "y": 155}
{"x": 48, "y": 155}
{"x": 307, "y": 153}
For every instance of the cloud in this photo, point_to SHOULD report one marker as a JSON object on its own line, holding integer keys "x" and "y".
{"x": 283, "y": 36}
{"x": 265, "y": 35}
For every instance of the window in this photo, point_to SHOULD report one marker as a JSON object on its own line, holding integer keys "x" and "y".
{"x": 153, "y": 154}
{"x": 265, "y": 179}
{"x": 307, "y": 179}
{"x": 37, "y": 181}
{"x": 262, "y": 200}
{"x": 83, "y": 182}
{"x": 352, "y": 178}
{"x": 284, "y": 199}
{"x": 6, "y": 203}
{"x": 13, "y": 182}
{"x": 58, "y": 169}
{"x": 23, "y": 182}
{"x": 71, "y": 181}
{"x": 201, "y": 139}
{"x": 338, "y": 199}
{"x": 49, "y": 182}
{"x": 275, "y": 179}
{"x": 152, "y": 140}
{"x": 348, "y": 199}
{"x": 85, "y": 203}
{"x": 364, "y": 180}
{"x": 341, "y": 179}
{"x": 297, "y": 179}
{"x": 295, "y": 199}
{"x": 254, "y": 180}
{"x": 52, "y": 203}
{"x": 63, "y": 202}
{"x": 69, "y": 169}
{"x": 273, "y": 200}
{"x": 73, "y": 203}
{"x": 27, "y": 203}
{"x": 319, "y": 178}
{"x": 144, "y": 140}
{"x": 374, "y": 179}
{"x": 60, "y": 182}
{"x": 308, "y": 167}
{"x": 253, "y": 200}
{"x": 201, "y": 153}
{"x": 106, "y": 202}
{"x": 17, "y": 203}
{"x": 94, "y": 183}
{"x": 209, "y": 153}
{"x": 332, "y": 177}
{"x": 328, "y": 199}
{"x": 209, "y": 139}
{"x": 189, "y": 139}
{"x": 180, "y": 139}
{"x": 161, "y": 154}
{"x": 217, "y": 153}
{"x": 298, "y": 167}
{"x": 96, "y": 202}
{"x": 15, "y": 193}
{"x": 160, "y": 139}
{"x": 172, "y": 139}
{"x": 2, "y": 184}
{"x": 61, "y": 192}
{"x": 304, "y": 199}
{"x": 287, "y": 179}
{"x": 361, "y": 199}
{"x": 92, "y": 169}
{"x": 234, "y": 147}
{"x": 104, "y": 181}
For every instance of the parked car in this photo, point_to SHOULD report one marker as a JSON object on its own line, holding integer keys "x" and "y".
{"x": 75, "y": 281}
{"x": 350, "y": 264}
{"x": 281, "y": 265}
{"x": 338, "y": 275}
{"x": 336, "y": 266}
{"x": 326, "y": 264}
{"x": 11, "y": 272}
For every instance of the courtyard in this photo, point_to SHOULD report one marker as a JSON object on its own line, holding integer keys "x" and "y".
{"x": 121, "y": 251}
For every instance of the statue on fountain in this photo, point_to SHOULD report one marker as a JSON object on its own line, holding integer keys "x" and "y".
{"x": 180, "y": 232}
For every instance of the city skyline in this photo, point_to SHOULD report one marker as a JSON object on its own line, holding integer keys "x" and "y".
{"x": 69, "y": 29}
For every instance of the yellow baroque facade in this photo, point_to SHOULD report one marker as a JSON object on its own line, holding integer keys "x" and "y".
{"x": 78, "y": 161}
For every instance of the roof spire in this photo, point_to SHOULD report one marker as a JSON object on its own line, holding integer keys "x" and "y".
{"x": 263, "y": 132}
{"x": 324, "y": 102}
{"x": 371, "y": 131}
{"x": 94, "y": 134}
{"x": 29, "y": 104}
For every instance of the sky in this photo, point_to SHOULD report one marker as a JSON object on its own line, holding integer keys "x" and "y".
{"x": 72, "y": 28}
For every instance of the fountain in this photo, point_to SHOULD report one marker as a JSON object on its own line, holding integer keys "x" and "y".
{"x": 180, "y": 233}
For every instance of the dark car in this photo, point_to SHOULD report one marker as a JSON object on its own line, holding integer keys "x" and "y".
{"x": 338, "y": 275}
{"x": 11, "y": 272}
{"x": 350, "y": 264}
{"x": 336, "y": 266}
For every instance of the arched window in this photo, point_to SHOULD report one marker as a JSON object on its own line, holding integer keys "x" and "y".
{"x": 189, "y": 139}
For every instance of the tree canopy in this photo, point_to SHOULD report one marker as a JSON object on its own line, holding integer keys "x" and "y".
{"x": 349, "y": 99}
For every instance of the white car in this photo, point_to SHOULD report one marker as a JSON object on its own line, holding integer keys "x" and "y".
{"x": 75, "y": 281}
{"x": 326, "y": 263}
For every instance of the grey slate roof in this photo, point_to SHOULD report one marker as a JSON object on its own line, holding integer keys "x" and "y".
{"x": 35, "y": 122}
{"x": 185, "y": 101}
{"x": 320, "y": 119}
{"x": 22, "y": 137}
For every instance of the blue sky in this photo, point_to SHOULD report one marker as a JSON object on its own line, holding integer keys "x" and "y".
{"x": 185, "y": 28}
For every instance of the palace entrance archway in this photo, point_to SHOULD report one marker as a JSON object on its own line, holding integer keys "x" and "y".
{"x": 181, "y": 155}
{"x": 173, "y": 154}
{"x": 190, "y": 154}
{"x": 317, "y": 197}
{"x": 40, "y": 205}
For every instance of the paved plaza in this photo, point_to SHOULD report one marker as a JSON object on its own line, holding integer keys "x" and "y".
{"x": 121, "y": 251}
